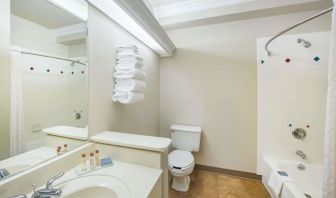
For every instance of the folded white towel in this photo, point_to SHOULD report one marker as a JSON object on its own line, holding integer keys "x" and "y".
{"x": 127, "y": 47}
{"x": 128, "y": 97}
{"x": 136, "y": 64}
{"x": 127, "y": 55}
{"x": 129, "y": 61}
{"x": 276, "y": 181}
{"x": 134, "y": 74}
{"x": 128, "y": 51}
{"x": 130, "y": 85}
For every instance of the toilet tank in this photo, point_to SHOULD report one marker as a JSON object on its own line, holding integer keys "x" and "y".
{"x": 186, "y": 138}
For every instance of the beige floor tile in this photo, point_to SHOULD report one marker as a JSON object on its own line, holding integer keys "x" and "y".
{"x": 211, "y": 185}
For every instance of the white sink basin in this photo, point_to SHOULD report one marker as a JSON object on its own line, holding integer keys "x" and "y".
{"x": 93, "y": 185}
{"x": 121, "y": 180}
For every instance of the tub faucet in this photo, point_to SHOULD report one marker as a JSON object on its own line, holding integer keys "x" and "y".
{"x": 301, "y": 154}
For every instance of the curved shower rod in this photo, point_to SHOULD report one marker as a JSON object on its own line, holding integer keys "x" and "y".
{"x": 49, "y": 56}
{"x": 294, "y": 26}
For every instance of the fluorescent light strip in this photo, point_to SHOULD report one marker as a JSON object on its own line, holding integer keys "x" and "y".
{"x": 116, "y": 13}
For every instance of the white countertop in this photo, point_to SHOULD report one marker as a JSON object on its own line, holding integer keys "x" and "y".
{"x": 144, "y": 142}
{"x": 140, "y": 180}
{"x": 68, "y": 132}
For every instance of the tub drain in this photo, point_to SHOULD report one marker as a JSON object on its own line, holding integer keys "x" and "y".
{"x": 308, "y": 196}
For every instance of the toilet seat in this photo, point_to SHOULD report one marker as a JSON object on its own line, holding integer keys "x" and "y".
{"x": 181, "y": 162}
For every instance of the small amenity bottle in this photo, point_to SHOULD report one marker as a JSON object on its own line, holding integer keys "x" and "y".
{"x": 65, "y": 148}
{"x": 97, "y": 160}
{"x": 91, "y": 161}
{"x": 83, "y": 162}
{"x": 58, "y": 151}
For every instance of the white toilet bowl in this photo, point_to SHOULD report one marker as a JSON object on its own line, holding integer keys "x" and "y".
{"x": 181, "y": 164}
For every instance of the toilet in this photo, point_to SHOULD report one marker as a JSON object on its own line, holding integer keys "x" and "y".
{"x": 185, "y": 139}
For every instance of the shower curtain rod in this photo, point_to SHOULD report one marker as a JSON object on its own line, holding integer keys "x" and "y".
{"x": 49, "y": 56}
{"x": 294, "y": 26}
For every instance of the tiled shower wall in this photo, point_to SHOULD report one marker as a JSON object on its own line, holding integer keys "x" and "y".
{"x": 292, "y": 87}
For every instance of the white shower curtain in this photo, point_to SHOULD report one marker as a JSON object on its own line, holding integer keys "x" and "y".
{"x": 329, "y": 178}
{"x": 16, "y": 118}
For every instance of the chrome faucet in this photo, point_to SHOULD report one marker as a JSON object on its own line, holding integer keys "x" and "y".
{"x": 3, "y": 173}
{"x": 301, "y": 154}
{"x": 49, "y": 192}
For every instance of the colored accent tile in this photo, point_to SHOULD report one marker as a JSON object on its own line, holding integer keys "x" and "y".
{"x": 308, "y": 126}
{"x": 31, "y": 68}
{"x": 290, "y": 125}
{"x": 82, "y": 72}
{"x": 288, "y": 60}
{"x": 72, "y": 72}
{"x": 316, "y": 58}
{"x": 48, "y": 70}
{"x": 61, "y": 72}
{"x": 262, "y": 61}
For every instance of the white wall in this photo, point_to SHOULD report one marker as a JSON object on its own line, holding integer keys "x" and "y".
{"x": 32, "y": 36}
{"x": 104, "y": 37}
{"x": 212, "y": 82}
{"x": 292, "y": 95}
{"x": 4, "y": 78}
{"x": 78, "y": 50}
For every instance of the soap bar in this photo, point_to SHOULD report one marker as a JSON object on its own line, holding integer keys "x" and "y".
{"x": 106, "y": 161}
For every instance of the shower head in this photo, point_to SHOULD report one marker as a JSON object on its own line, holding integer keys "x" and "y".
{"x": 306, "y": 44}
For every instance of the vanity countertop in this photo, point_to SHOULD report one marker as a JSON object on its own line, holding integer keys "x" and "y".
{"x": 68, "y": 132}
{"x": 144, "y": 142}
{"x": 138, "y": 180}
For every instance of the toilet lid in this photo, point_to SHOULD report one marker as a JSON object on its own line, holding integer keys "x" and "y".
{"x": 180, "y": 159}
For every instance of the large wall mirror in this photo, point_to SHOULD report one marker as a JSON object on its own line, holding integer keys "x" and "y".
{"x": 49, "y": 84}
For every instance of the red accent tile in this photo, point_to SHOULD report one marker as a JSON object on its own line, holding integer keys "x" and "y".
{"x": 288, "y": 60}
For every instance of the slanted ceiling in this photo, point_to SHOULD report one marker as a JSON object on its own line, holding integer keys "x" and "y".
{"x": 43, "y": 13}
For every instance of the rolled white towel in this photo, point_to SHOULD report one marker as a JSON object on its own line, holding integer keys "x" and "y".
{"x": 128, "y": 97}
{"x": 130, "y": 74}
{"x": 130, "y": 85}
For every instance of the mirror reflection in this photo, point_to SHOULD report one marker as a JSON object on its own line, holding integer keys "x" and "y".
{"x": 49, "y": 84}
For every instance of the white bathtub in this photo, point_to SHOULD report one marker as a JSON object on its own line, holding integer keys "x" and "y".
{"x": 308, "y": 181}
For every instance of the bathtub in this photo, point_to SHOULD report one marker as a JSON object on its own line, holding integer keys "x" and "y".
{"x": 306, "y": 183}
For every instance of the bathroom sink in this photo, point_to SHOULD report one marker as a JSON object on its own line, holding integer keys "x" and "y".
{"x": 93, "y": 185}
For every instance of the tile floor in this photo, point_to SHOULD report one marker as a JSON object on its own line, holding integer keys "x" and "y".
{"x": 212, "y": 185}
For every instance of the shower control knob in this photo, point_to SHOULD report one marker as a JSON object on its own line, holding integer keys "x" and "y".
{"x": 299, "y": 133}
{"x": 78, "y": 116}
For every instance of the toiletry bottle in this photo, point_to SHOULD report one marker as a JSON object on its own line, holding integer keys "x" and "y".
{"x": 65, "y": 148}
{"x": 91, "y": 161}
{"x": 58, "y": 151}
{"x": 97, "y": 159}
{"x": 83, "y": 162}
